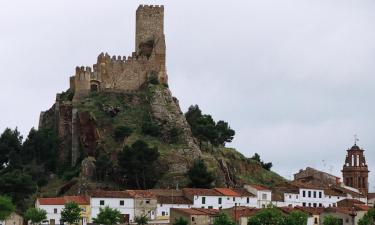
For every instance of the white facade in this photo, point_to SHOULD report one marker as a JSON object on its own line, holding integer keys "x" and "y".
{"x": 163, "y": 210}
{"x": 263, "y": 196}
{"x": 53, "y": 212}
{"x": 124, "y": 205}
{"x": 223, "y": 202}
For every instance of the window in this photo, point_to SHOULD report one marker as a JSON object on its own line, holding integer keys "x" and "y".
{"x": 304, "y": 204}
{"x": 303, "y": 193}
{"x": 163, "y": 213}
{"x": 320, "y": 205}
{"x": 101, "y": 202}
{"x": 314, "y": 194}
{"x": 290, "y": 196}
{"x": 314, "y": 205}
{"x": 121, "y": 202}
{"x": 234, "y": 199}
{"x": 83, "y": 209}
{"x": 347, "y": 220}
{"x": 210, "y": 207}
{"x": 334, "y": 204}
{"x": 148, "y": 201}
{"x": 264, "y": 196}
{"x": 309, "y": 194}
{"x": 320, "y": 194}
{"x": 192, "y": 218}
{"x": 247, "y": 200}
{"x": 309, "y": 204}
{"x": 55, "y": 210}
{"x": 220, "y": 200}
{"x": 315, "y": 220}
{"x": 203, "y": 200}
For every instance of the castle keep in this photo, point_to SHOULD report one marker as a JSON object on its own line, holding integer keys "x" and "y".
{"x": 123, "y": 73}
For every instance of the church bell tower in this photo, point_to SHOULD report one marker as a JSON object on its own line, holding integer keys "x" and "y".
{"x": 355, "y": 171}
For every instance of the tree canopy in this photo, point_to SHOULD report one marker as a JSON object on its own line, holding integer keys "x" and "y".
{"x": 199, "y": 175}
{"x": 108, "y": 216}
{"x": 266, "y": 166}
{"x": 368, "y": 218}
{"x": 138, "y": 164}
{"x": 35, "y": 215}
{"x": 141, "y": 220}
{"x": 223, "y": 219}
{"x": 6, "y": 207}
{"x": 205, "y": 128}
{"x": 331, "y": 220}
{"x": 71, "y": 213}
{"x": 180, "y": 221}
{"x": 274, "y": 216}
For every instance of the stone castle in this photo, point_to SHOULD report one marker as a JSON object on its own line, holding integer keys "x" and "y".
{"x": 121, "y": 73}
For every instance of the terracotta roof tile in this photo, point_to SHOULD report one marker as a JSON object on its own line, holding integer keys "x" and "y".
{"x": 111, "y": 194}
{"x": 141, "y": 194}
{"x": 241, "y": 211}
{"x": 227, "y": 192}
{"x": 197, "y": 211}
{"x": 260, "y": 187}
{"x": 80, "y": 200}
{"x": 174, "y": 200}
{"x": 371, "y": 195}
{"x": 243, "y": 192}
{"x": 202, "y": 192}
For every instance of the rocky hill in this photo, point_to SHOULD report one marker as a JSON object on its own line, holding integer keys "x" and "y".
{"x": 121, "y": 100}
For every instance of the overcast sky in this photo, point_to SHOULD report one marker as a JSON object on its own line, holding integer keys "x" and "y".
{"x": 294, "y": 78}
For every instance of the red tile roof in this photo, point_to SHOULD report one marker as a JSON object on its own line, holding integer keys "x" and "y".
{"x": 197, "y": 211}
{"x": 310, "y": 210}
{"x": 361, "y": 207}
{"x": 259, "y": 187}
{"x": 371, "y": 195}
{"x": 306, "y": 185}
{"x": 181, "y": 200}
{"x": 201, "y": 191}
{"x": 111, "y": 194}
{"x": 141, "y": 194}
{"x": 80, "y": 200}
{"x": 241, "y": 211}
{"x": 227, "y": 192}
{"x": 243, "y": 192}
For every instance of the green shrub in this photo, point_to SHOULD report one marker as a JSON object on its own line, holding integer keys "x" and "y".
{"x": 151, "y": 128}
{"x": 122, "y": 132}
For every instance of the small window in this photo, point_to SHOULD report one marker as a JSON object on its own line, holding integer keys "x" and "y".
{"x": 315, "y": 220}
{"x": 264, "y": 196}
{"x": 315, "y": 205}
{"x": 101, "y": 202}
{"x": 309, "y": 204}
{"x": 304, "y": 204}
{"x": 320, "y": 194}
{"x": 55, "y": 210}
{"x": 290, "y": 196}
{"x": 309, "y": 194}
{"x": 192, "y": 218}
{"x": 303, "y": 193}
{"x": 248, "y": 200}
{"x": 163, "y": 213}
{"x": 320, "y": 205}
{"x": 121, "y": 202}
{"x": 314, "y": 194}
{"x": 203, "y": 200}
{"x": 210, "y": 207}
{"x": 220, "y": 201}
{"x": 234, "y": 199}
{"x": 147, "y": 201}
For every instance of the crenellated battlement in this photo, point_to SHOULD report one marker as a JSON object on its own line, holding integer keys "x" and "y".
{"x": 128, "y": 73}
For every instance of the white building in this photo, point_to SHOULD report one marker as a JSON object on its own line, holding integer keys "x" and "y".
{"x": 120, "y": 200}
{"x": 263, "y": 195}
{"x": 54, "y": 206}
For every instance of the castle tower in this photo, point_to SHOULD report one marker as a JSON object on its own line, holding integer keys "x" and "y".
{"x": 355, "y": 171}
{"x": 81, "y": 82}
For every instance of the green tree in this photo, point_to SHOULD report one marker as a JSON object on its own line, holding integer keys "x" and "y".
{"x": 331, "y": 220}
{"x": 104, "y": 166}
{"x": 6, "y": 207}
{"x": 42, "y": 147}
{"x": 141, "y": 220}
{"x": 122, "y": 132}
{"x": 266, "y": 166}
{"x": 368, "y": 218}
{"x": 199, "y": 175}
{"x": 108, "y": 216}
{"x": 223, "y": 219}
{"x": 267, "y": 216}
{"x": 224, "y": 133}
{"x": 151, "y": 128}
{"x": 35, "y": 215}
{"x": 71, "y": 213}
{"x": 10, "y": 148}
{"x": 138, "y": 164}
{"x": 296, "y": 218}
{"x": 18, "y": 185}
{"x": 180, "y": 221}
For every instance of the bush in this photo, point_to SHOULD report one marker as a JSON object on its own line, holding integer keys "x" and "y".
{"x": 122, "y": 132}
{"x": 150, "y": 128}
{"x": 153, "y": 78}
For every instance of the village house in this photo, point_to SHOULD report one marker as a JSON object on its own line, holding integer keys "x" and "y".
{"x": 13, "y": 219}
{"x": 194, "y": 216}
{"x": 167, "y": 199}
{"x": 54, "y": 206}
{"x": 241, "y": 214}
{"x": 346, "y": 216}
{"x": 145, "y": 203}
{"x": 120, "y": 200}
{"x": 262, "y": 194}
